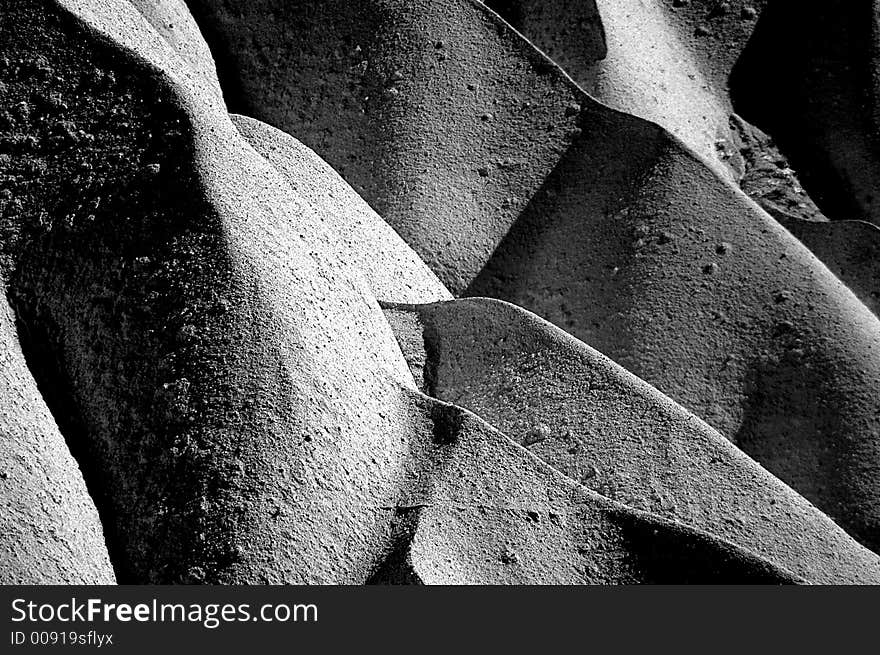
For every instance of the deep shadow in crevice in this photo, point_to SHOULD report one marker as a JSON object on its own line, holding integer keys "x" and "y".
{"x": 510, "y": 10}
{"x": 396, "y": 568}
{"x": 224, "y": 62}
{"x": 447, "y": 421}
{"x": 430, "y": 373}
{"x": 45, "y": 363}
{"x": 671, "y": 553}
{"x": 804, "y": 79}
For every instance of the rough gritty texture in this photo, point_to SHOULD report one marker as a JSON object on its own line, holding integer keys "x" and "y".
{"x": 851, "y": 249}
{"x": 433, "y": 111}
{"x": 630, "y": 242}
{"x": 49, "y": 528}
{"x": 616, "y": 435}
{"x": 236, "y": 342}
{"x": 342, "y": 223}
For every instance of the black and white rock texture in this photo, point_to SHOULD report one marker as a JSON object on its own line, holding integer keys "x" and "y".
{"x": 411, "y": 291}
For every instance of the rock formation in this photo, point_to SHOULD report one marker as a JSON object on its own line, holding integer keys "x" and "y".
{"x": 407, "y": 291}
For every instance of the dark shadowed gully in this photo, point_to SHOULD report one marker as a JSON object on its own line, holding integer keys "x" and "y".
{"x": 462, "y": 292}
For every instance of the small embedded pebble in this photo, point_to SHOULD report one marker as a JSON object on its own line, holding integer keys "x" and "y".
{"x": 537, "y": 435}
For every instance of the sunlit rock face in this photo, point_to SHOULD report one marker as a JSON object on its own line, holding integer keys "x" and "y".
{"x": 436, "y": 292}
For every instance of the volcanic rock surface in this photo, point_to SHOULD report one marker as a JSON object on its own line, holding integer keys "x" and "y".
{"x": 421, "y": 292}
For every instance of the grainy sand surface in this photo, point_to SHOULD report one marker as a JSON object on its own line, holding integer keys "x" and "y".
{"x": 419, "y": 292}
